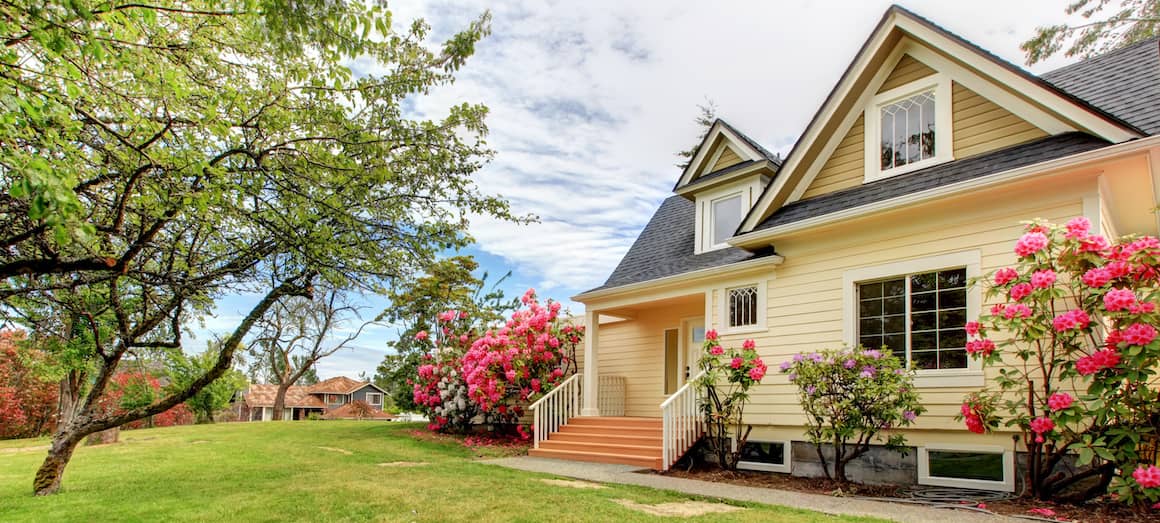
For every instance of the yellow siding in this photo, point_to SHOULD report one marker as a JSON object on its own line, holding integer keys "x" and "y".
{"x": 635, "y": 349}
{"x": 846, "y": 167}
{"x": 980, "y": 125}
{"x": 728, "y": 158}
{"x": 907, "y": 70}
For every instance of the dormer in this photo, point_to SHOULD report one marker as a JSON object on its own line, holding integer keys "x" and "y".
{"x": 724, "y": 178}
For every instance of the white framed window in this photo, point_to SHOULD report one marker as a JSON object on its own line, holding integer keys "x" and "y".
{"x": 976, "y": 467}
{"x": 725, "y": 216}
{"x": 917, "y": 308}
{"x": 374, "y": 398}
{"x": 909, "y": 128}
{"x": 768, "y": 456}
{"x": 741, "y": 306}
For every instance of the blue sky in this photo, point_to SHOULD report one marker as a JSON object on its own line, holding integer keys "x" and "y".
{"x": 590, "y": 100}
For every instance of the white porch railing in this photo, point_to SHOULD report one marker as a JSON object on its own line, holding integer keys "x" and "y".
{"x": 683, "y": 421}
{"x": 610, "y": 400}
{"x": 553, "y": 411}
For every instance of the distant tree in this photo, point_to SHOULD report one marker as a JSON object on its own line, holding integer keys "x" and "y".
{"x": 449, "y": 284}
{"x": 160, "y": 155}
{"x": 706, "y": 116}
{"x": 216, "y": 396}
{"x": 298, "y": 333}
{"x": 1125, "y": 22}
{"x": 28, "y": 402}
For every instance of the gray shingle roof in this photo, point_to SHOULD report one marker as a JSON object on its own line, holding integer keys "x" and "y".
{"x": 1124, "y": 82}
{"x": 665, "y": 248}
{"x": 936, "y": 176}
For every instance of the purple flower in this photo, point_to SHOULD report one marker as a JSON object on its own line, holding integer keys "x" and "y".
{"x": 873, "y": 353}
{"x": 868, "y": 371}
{"x": 798, "y": 357}
{"x": 909, "y": 415}
{"x": 792, "y": 376}
{"x": 816, "y": 357}
{"x": 899, "y": 372}
{"x": 785, "y": 365}
{"x": 850, "y": 364}
{"x": 811, "y": 390}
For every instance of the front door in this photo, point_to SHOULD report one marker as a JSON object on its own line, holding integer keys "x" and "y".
{"x": 693, "y": 333}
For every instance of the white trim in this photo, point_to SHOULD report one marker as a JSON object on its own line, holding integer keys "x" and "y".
{"x": 749, "y": 170}
{"x": 378, "y": 395}
{"x": 740, "y": 146}
{"x": 632, "y": 288}
{"x": 786, "y": 465}
{"x": 943, "y": 125}
{"x": 1029, "y": 171}
{"x": 762, "y": 285}
{"x": 1007, "y": 485}
{"x": 972, "y": 375}
{"x": 711, "y": 224}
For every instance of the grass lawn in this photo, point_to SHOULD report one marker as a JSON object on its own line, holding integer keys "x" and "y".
{"x": 277, "y": 472}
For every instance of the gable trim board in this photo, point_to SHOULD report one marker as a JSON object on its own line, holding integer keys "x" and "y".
{"x": 898, "y": 24}
{"x": 728, "y": 174}
{"x": 703, "y": 159}
{"x": 1035, "y": 170}
{"x": 676, "y": 279}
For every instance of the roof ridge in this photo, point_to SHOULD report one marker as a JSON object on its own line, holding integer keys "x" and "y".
{"x": 1154, "y": 40}
{"x": 752, "y": 143}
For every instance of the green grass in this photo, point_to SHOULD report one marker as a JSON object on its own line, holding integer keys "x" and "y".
{"x": 276, "y": 472}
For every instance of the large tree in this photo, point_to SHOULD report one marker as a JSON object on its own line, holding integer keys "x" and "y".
{"x": 296, "y": 334}
{"x": 156, "y": 156}
{"x": 448, "y": 284}
{"x": 1103, "y": 25}
{"x": 183, "y": 369}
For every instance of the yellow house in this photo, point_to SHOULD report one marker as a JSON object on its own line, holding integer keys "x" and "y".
{"x": 913, "y": 177}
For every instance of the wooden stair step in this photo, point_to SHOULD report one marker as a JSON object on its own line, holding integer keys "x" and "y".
{"x": 596, "y": 457}
{"x": 613, "y": 429}
{"x": 653, "y": 451}
{"x": 617, "y": 422}
{"x": 606, "y": 438}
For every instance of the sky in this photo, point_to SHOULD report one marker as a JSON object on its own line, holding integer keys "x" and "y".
{"x": 590, "y": 100}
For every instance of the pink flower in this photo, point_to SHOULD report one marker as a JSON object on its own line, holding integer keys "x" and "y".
{"x": 1097, "y": 277}
{"x": 1045, "y": 512}
{"x": 1005, "y": 276}
{"x": 736, "y": 363}
{"x": 1017, "y": 310}
{"x": 1020, "y": 291}
{"x": 711, "y": 335}
{"x": 1073, "y": 319}
{"x": 1094, "y": 243}
{"x": 972, "y": 328}
{"x": 1041, "y": 426}
{"x": 1030, "y": 244}
{"x": 1139, "y": 334}
{"x": 1119, "y": 299}
{"x": 986, "y": 347}
{"x": 1043, "y": 279}
{"x": 1059, "y": 401}
{"x": 1103, "y": 359}
{"x": 716, "y": 350}
{"x": 1078, "y": 228}
{"x": 757, "y": 373}
{"x": 748, "y": 345}
{"x": 421, "y": 335}
{"x": 1147, "y": 477}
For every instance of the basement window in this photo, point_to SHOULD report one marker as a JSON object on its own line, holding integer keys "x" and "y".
{"x": 768, "y": 456}
{"x": 987, "y": 468}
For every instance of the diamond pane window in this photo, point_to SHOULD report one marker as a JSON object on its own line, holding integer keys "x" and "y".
{"x": 743, "y": 306}
{"x": 908, "y": 130}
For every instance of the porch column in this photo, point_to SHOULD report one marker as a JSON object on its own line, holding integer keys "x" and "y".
{"x": 591, "y": 379}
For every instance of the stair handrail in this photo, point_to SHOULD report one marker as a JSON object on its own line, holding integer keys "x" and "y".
{"x": 682, "y": 420}
{"x": 559, "y": 405}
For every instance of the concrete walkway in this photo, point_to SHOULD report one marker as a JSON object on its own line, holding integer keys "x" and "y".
{"x": 624, "y": 474}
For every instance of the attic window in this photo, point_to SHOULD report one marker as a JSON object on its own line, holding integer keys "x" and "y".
{"x": 726, "y": 218}
{"x": 909, "y": 128}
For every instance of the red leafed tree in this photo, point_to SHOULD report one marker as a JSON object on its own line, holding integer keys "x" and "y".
{"x": 27, "y": 403}
{"x": 133, "y": 389}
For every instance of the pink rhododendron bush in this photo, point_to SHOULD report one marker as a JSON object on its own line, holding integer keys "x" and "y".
{"x": 852, "y": 398}
{"x": 728, "y": 376}
{"x": 495, "y": 372}
{"x": 1075, "y": 335}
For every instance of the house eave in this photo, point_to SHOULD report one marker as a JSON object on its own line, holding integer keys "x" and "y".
{"x": 767, "y": 236}
{"x": 694, "y": 187}
{"x": 687, "y": 277}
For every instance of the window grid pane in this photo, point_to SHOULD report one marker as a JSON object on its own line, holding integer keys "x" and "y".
{"x": 918, "y": 316}
{"x": 908, "y": 130}
{"x": 743, "y": 306}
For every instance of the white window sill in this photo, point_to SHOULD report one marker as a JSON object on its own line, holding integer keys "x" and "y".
{"x": 939, "y": 378}
{"x": 742, "y": 330}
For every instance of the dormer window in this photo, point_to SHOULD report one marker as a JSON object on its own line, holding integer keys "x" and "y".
{"x": 908, "y": 128}
{"x": 726, "y": 218}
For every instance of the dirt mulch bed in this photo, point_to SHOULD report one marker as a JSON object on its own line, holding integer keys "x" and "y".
{"x": 1102, "y": 510}
{"x": 482, "y": 445}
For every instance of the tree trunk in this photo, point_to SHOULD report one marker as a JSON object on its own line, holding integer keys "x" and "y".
{"x": 280, "y": 400}
{"x": 48, "y": 477}
{"x": 69, "y": 398}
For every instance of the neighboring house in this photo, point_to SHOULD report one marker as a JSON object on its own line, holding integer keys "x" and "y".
{"x": 912, "y": 178}
{"x": 330, "y": 399}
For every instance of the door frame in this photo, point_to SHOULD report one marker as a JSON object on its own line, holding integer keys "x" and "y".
{"x": 687, "y": 355}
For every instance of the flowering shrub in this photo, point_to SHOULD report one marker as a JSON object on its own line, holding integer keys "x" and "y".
{"x": 28, "y": 402}
{"x": 496, "y": 373}
{"x": 728, "y": 376}
{"x": 131, "y": 390}
{"x": 1078, "y": 314}
{"x": 851, "y": 399}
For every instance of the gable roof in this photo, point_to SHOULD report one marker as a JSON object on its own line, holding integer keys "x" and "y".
{"x": 262, "y": 395}
{"x": 665, "y": 248}
{"x": 337, "y": 385}
{"x": 1124, "y": 82}
{"x": 949, "y": 173}
{"x": 898, "y": 23}
{"x": 750, "y": 151}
